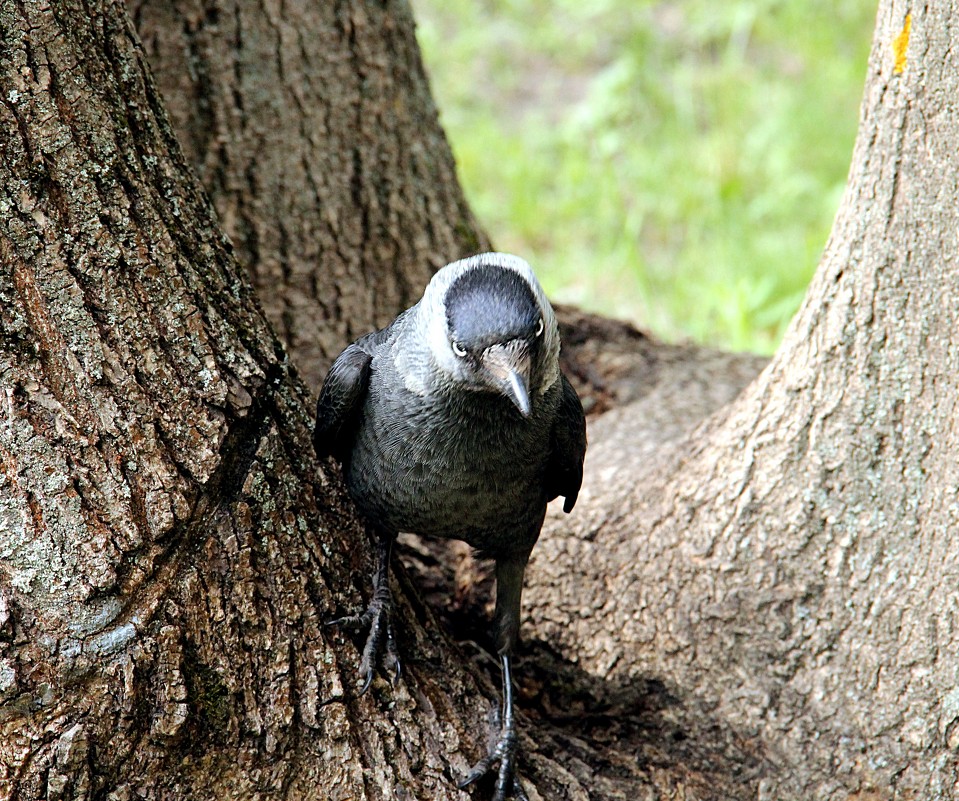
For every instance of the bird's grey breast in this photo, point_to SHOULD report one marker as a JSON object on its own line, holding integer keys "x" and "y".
{"x": 449, "y": 462}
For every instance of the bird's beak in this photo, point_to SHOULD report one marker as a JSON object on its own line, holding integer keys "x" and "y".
{"x": 509, "y": 367}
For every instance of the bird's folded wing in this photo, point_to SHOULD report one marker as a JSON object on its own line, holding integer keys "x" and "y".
{"x": 341, "y": 401}
{"x": 564, "y": 471}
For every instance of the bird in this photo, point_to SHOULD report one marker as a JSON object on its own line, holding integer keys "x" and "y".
{"x": 456, "y": 421}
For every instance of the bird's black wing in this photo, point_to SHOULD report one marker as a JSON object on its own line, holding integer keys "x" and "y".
{"x": 564, "y": 471}
{"x": 344, "y": 392}
{"x": 341, "y": 401}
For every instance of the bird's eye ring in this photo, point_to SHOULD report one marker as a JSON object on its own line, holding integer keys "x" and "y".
{"x": 458, "y": 349}
{"x": 539, "y": 327}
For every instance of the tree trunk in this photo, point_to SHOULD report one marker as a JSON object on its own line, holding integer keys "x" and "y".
{"x": 168, "y": 542}
{"x": 312, "y": 127}
{"x": 762, "y": 605}
{"x": 170, "y": 547}
{"x": 788, "y": 566}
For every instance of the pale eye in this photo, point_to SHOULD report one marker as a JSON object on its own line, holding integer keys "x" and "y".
{"x": 458, "y": 349}
{"x": 539, "y": 327}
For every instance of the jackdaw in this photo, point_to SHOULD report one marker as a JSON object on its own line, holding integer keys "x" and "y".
{"x": 456, "y": 421}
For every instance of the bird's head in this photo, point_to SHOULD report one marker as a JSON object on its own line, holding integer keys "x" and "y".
{"x": 492, "y": 329}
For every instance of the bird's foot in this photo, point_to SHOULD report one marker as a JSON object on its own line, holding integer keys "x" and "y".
{"x": 380, "y": 645}
{"x": 503, "y": 749}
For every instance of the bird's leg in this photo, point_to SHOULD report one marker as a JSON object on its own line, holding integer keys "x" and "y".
{"x": 380, "y": 644}
{"x": 504, "y": 745}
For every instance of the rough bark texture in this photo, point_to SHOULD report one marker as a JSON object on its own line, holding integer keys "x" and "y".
{"x": 312, "y": 127}
{"x": 169, "y": 547}
{"x": 761, "y": 605}
{"x": 167, "y": 540}
{"x": 790, "y": 564}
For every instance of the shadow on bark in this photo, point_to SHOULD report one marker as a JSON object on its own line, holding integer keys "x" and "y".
{"x": 612, "y": 739}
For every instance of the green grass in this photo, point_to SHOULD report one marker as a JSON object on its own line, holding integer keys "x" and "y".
{"x": 677, "y": 163}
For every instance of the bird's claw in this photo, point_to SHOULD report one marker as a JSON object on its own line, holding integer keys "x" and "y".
{"x": 507, "y": 782}
{"x": 352, "y": 622}
{"x": 380, "y": 644}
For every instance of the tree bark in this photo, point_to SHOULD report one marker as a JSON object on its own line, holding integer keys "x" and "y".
{"x": 168, "y": 542}
{"x": 170, "y": 548}
{"x": 788, "y": 565}
{"x": 313, "y": 129}
{"x": 758, "y": 605}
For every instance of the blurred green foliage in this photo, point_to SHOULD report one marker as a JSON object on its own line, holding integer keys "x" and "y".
{"x": 675, "y": 163}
